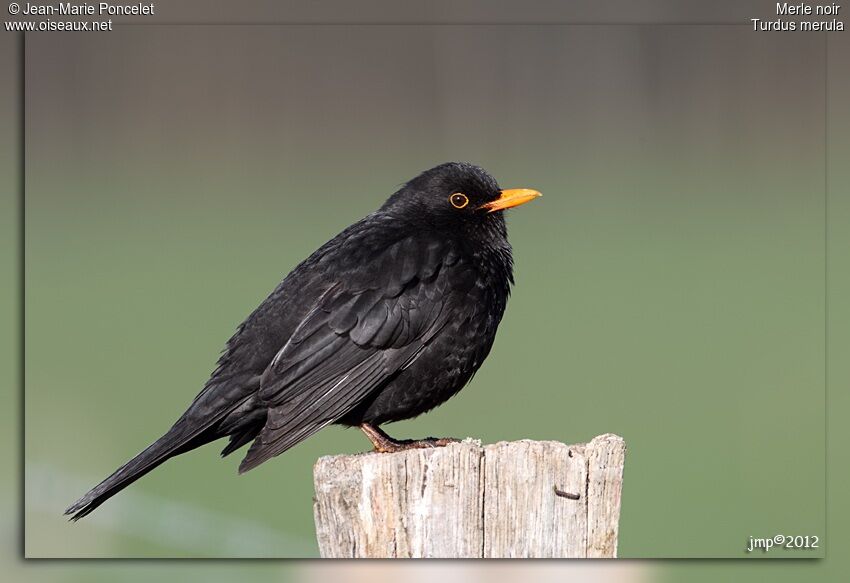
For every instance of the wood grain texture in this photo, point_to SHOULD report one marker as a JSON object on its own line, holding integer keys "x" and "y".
{"x": 509, "y": 499}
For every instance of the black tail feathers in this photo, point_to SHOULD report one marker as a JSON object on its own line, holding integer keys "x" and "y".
{"x": 173, "y": 443}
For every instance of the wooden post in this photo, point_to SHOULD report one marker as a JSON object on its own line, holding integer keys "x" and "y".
{"x": 510, "y": 499}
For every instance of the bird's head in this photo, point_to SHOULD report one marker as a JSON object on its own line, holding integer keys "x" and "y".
{"x": 456, "y": 194}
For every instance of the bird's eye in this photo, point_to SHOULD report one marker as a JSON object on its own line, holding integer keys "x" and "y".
{"x": 458, "y": 200}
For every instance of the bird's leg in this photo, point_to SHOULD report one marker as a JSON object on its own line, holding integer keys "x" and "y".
{"x": 385, "y": 444}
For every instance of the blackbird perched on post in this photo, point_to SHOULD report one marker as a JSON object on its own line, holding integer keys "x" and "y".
{"x": 383, "y": 322}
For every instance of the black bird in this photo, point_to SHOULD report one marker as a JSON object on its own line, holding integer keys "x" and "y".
{"x": 383, "y": 322}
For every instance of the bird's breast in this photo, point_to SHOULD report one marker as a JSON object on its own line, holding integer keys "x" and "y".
{"x": 453, "y": 355}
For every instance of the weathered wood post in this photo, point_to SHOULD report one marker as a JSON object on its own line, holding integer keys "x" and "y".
{"x": 509, "y": 499}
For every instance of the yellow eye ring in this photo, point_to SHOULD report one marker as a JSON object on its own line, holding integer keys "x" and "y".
{"x": 458, "y": 200}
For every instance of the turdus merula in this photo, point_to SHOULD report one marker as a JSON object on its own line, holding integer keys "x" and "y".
{"x": 385, "y": 321}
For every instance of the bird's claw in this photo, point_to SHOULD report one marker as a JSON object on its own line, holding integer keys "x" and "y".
{"x": 392, "y": 446}
{"x": 385, "y": 444}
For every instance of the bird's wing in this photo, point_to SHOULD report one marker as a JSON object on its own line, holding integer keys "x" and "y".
{"x": 361, "y": 331}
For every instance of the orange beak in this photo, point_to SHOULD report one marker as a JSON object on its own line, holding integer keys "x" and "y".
{"x": 511, "y": 198}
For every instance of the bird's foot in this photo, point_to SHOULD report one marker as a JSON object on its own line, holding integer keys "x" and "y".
{"x": 385, "y": 444}
{"x": 393, "y": 445}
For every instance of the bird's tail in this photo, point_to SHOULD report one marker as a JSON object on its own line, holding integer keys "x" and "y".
{"x": 179, "y": 439}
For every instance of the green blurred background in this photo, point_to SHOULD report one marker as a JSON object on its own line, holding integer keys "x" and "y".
{"x": 670, "y": 285}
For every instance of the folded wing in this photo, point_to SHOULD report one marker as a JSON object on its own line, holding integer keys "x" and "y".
{"x": 359, "y": 334}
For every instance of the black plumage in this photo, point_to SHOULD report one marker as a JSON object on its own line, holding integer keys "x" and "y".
{"x": 385, "y": 321}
